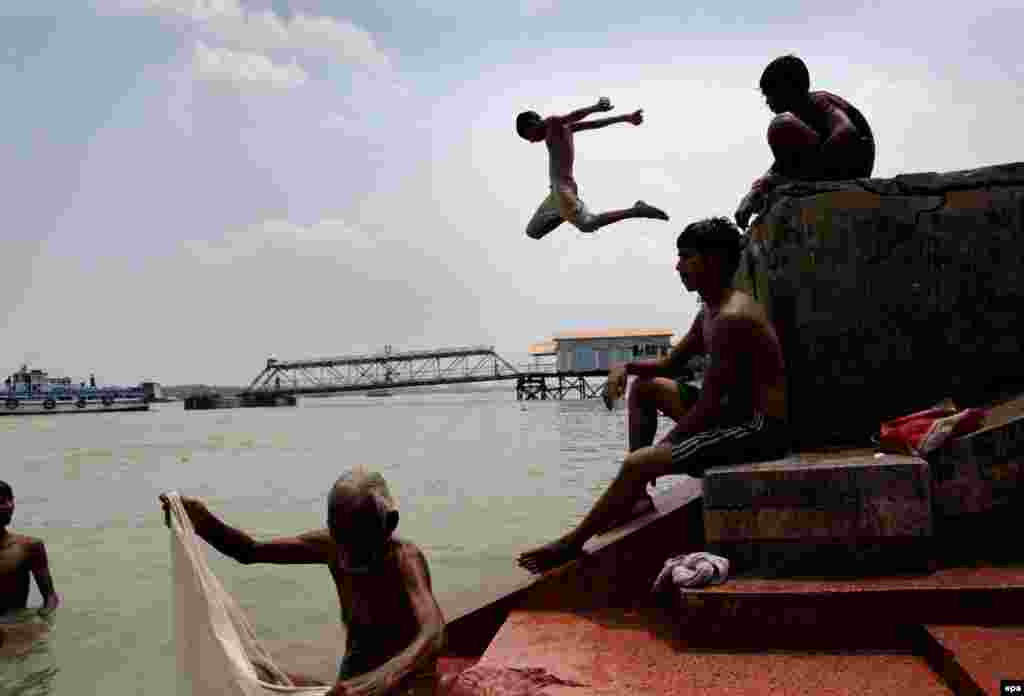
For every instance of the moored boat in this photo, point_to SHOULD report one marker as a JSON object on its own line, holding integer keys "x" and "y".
{"x": 33, "y": 392}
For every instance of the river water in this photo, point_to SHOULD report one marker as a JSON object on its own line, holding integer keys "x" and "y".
{"x": 477, "y": 477}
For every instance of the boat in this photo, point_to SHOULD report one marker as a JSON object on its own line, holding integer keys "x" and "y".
{"x": 34, "y": 392}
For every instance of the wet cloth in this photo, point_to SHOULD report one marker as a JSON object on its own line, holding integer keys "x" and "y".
{"x": 485, "y": 680}
{"x": 756, "y": 438}
{"x": 693, "y": 570}
{"x": 217, "y": 650}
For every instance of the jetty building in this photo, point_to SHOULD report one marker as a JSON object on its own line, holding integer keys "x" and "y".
{"x": 600, "y": 349}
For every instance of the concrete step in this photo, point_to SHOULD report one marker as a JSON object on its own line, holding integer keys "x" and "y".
{"x": 981, "y": 595}
{"x": 974, "y": 659}
{"x": 646, "y": 651}
{"x": 844, "y": 513}
{"x": 980, "y": 471}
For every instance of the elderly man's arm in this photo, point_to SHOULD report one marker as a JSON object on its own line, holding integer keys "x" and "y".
{"x": 311, "y": 548}
{"x": 425, "y": 647}
{"x": 40, "y": 567}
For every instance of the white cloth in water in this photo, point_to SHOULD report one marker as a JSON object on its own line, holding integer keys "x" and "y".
{"x": 217, "y": 650}
{"x": 693, "y": 570}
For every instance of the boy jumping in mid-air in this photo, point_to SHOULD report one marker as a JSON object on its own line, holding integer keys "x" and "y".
{"x": 563, "y": 203}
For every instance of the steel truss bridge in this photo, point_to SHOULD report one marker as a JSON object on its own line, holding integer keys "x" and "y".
{"x": 389, "y": 369}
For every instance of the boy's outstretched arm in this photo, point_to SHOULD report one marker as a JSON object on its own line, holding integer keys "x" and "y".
{"x": 636, "y": 118}
{"x": 603, "y": 104}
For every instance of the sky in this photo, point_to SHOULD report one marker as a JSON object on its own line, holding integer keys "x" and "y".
{"x": 192, "y": 186}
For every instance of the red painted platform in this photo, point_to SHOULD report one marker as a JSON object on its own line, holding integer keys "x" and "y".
{"x": 641, "y": 651}
{"x": 980, "y": 656}
{"x": 985, "y": 594}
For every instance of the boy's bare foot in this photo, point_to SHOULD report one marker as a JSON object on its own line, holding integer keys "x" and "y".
{"x": 639, "y": 509}
{"x": 649, "y": 211}
{"x": 548, "y": 556}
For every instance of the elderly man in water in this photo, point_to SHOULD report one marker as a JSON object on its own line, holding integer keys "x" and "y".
{"x": 395, "y": 629}
{"x": 21, "y": 557}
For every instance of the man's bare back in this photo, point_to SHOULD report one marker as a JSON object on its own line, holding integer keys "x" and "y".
{"x": 18, "y": 555}
{"x": 760, "y": 378}
{"x": 21, "y": 556}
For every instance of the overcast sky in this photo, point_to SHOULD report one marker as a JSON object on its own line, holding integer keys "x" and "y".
{"x": 191, "y": 186}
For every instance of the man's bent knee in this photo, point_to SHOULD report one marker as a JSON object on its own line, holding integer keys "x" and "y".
{"x": 541, "y": 227}
{"x": 641, "y": 388}
{"x": 787, "y": 131}
{"x": 645, "y": 464}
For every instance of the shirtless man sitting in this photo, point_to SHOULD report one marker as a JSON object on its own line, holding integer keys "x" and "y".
{"x": 815, "y": 136}
{"x": 740, "y": 414}
{"x": 21, "y": 556}
{"x": 563, "y": 203}
{"x": 395, "y": 629}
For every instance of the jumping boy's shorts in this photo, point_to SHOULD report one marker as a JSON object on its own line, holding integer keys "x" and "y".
{"x": 562, "y": 204}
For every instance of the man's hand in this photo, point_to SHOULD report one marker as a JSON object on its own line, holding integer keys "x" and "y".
{"x": 636, "y": 118}
{"x": 191, "y": 505}
{"x": 361, "y": 685}
{"x": 754, "y": 202}
{"x": 604, "y": 104}
{"x": 616, "y": 386}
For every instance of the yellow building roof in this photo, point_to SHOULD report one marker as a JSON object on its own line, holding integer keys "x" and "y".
{"x": 611, "y": 333}
{"x": 545, "y": 348}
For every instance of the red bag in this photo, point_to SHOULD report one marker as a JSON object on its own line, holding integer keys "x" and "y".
{"x": 925, "y": 431}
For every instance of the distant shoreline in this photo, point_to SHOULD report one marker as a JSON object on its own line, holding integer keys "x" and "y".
{"x": 183, "y": 390}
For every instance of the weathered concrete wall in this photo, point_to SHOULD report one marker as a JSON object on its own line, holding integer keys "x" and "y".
{"x": 891, "y": 294}
{"x": 791, "y": 512}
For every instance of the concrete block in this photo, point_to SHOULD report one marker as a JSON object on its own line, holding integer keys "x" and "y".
{"x": 892, "y": 294}
{"x": 793, "y": 511}
{"x": 977, "y": 472}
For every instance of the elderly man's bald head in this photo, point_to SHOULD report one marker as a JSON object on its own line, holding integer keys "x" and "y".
{"x": 360, "y": 510}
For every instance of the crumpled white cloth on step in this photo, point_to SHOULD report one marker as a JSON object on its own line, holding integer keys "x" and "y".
{"x": 693, "y": 570}
{"x": 217, "y": 650}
